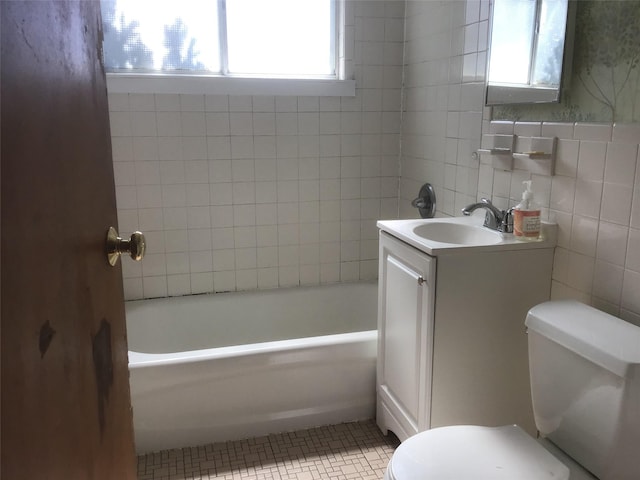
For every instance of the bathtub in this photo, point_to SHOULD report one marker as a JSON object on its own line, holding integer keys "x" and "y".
{"x": 211, "y": 368}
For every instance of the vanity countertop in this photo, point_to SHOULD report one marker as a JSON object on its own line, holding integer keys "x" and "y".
{"x": 452, "y": 235}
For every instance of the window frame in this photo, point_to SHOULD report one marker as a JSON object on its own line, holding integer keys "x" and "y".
{"x": 230, "y": 84}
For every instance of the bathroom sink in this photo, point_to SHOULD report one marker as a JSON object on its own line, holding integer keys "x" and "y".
{"x": 457, "y": 233}
{"x": 435, "y": 236}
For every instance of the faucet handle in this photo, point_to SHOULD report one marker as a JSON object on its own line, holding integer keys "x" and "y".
{"x": 419, "y": 203}
{"x": 506, "y": 226}
{"x": 426, "y": 201}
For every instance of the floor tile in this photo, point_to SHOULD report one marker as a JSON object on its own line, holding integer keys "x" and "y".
{"x": 347, "y": 451}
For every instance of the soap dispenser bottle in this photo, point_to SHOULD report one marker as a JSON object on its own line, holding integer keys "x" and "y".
{"x": 526, "y": 216}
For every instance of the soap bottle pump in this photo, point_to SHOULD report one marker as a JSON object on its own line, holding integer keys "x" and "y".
{"x": 526, "y": 216}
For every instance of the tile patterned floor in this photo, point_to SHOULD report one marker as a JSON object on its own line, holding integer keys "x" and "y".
{"x": 356, "y": 451}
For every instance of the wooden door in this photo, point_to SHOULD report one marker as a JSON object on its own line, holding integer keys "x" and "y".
{"x": 65, "y": 407}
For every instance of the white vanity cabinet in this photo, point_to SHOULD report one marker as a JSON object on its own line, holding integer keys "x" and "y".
{"x": 405, "y": 331}
{"x": 452, "y": 344}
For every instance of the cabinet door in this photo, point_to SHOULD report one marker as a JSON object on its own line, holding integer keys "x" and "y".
{"x": 405, "y": 315}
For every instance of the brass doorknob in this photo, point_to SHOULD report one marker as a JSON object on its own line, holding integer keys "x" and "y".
{"x": 135, "y": 246}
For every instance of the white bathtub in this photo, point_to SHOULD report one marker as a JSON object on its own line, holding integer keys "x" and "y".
{"x": 212, "y": 368}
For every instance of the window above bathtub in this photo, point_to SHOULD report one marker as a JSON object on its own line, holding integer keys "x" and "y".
{"x": 287, "y": 47}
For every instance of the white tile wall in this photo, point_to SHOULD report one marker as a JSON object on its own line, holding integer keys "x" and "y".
{"x": 594, "y": 196}
{"x": 445, "y": 58}
{"x": 591, "y": 198}
{"x": 261, "y": 192}
{"x": 242, "y": 192}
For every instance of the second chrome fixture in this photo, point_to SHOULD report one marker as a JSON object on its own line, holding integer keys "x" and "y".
{"x": 495, "y": 219}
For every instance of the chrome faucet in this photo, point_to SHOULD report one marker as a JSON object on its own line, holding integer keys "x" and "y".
{"x": 495, "y": 219}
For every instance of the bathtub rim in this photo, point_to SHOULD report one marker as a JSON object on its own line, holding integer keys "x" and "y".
{"x": 139, "y": 360}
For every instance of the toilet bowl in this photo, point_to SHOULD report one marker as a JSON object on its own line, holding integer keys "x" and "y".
{"x": 585, "y": 385}
{"x": 465, "y": 452}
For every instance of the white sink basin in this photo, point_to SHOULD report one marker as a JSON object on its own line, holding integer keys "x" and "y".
{"x": 437, "y": 236}
{"x": 457, "y": 233}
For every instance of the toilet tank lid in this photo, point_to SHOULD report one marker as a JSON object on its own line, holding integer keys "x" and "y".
{"x": 597, "y": 336}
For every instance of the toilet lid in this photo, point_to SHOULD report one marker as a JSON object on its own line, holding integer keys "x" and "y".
{"x": 471, "y": 452}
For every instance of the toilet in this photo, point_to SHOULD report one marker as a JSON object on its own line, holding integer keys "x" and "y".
{"x": 584, "y": 368}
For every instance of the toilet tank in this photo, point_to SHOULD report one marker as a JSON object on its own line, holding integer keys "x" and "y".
{"x": 585, "y": 383}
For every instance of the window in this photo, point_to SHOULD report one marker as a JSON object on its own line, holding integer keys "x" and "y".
{"x": 527, "y": 50}
{"x": 232, "y": 38}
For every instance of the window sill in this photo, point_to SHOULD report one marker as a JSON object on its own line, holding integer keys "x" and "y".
{"x": 510, "y": 94}
{"x": 212, "y": 85}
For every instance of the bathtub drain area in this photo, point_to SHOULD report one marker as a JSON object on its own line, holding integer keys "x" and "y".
{"x": 355, "y": 450}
